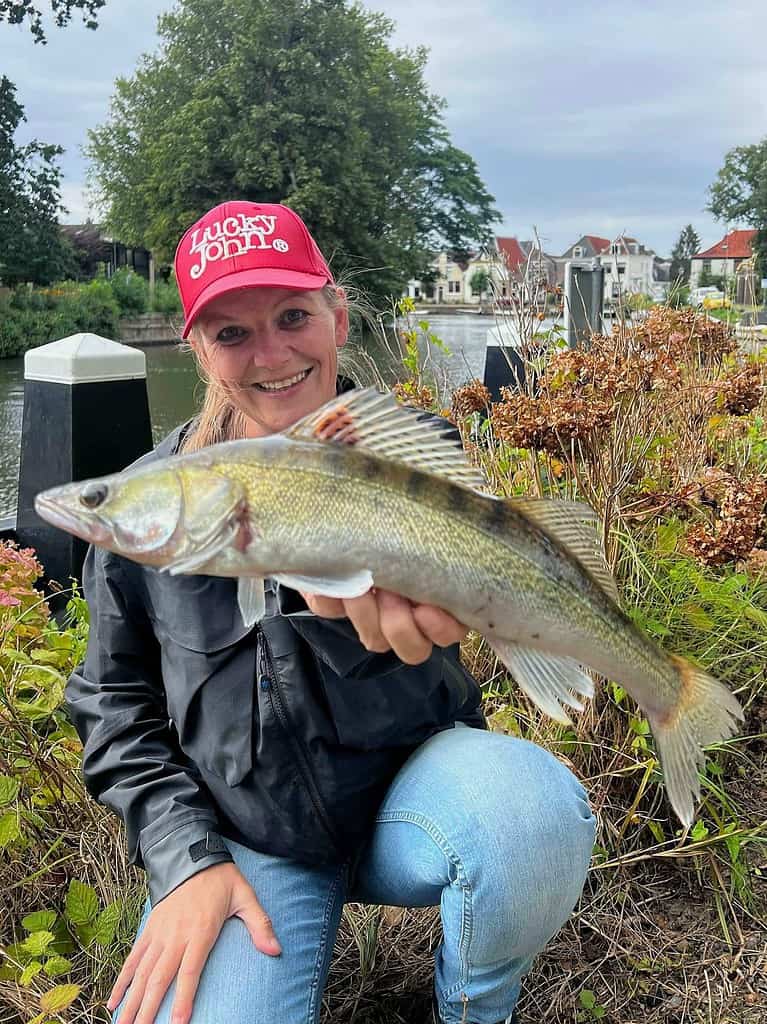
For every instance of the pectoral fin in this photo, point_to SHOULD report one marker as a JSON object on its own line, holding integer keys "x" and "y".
{"x": 353, "y": 585}
{"x": 250, "y": 598}
{"x": 548, "y": 679}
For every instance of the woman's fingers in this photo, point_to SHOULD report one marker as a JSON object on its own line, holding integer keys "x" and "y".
{"x": 400, "y": 629}
{"x": 363, "y": 613}
{"x": 438, "y": 625}
{"x": 245, "y": 905}
{"x": 386, "y": 621}
{"x": 187, "y": 981}
{"x": 125, "y": 976}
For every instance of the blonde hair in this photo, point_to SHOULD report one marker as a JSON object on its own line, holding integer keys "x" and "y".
{"x": 219, "y": 418}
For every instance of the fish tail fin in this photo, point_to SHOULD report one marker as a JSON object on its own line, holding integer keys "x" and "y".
{"x": 705, "y": 713}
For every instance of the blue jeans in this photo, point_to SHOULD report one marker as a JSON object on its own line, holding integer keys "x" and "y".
{"x": 492, "y": 829}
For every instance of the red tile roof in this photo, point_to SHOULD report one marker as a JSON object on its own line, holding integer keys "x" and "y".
{"x": 511, "y": 251}
{"x": 598, "y": 243}
{"x": 735, "y": 246}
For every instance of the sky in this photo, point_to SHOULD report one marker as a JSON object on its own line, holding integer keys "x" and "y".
{"x": 597, "y": 119}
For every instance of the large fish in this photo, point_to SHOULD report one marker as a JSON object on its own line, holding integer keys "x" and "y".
{"x": 362, "y": 493}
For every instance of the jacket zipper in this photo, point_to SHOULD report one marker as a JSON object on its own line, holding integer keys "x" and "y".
{"x": 278, "y": 706}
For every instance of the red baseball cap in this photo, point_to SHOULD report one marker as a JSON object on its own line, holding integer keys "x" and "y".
{"x": 245, "y": 245}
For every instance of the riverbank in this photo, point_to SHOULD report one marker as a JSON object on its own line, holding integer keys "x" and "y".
{"x": 149, "y": 329}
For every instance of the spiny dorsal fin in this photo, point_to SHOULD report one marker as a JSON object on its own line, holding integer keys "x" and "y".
{"x": 576, "y": 526}
{"x": 378, "y": 423}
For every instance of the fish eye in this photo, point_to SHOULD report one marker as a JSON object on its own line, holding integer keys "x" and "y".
{"x": 94, "y": 495}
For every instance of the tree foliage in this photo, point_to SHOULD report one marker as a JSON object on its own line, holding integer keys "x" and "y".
{"x": 739, "y": 194}
{"x": 687, "y": 245}
{"x": 17, "y": 11}
{"x": 302, "y": 102}
{"x": 480, "y": 282}
{"x": 31, "y": 246}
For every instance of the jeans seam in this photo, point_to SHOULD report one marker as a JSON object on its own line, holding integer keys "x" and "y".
{"x": 421, "y": 821}
{"x": 322, "y": 948}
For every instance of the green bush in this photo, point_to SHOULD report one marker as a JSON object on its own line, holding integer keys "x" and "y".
{"x": 166, "y": 298}
{"x": 131, "y": 292}
{"x": 34, "y": 316}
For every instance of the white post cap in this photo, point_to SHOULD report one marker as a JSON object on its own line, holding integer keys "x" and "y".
{"x": 84, "y": 359}
{"x": 503, "y": 335}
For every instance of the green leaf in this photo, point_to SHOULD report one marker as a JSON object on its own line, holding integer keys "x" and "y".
{"x": 86, "y": 933}
{"x": 107, "y": 923}
{"x": 39, "y": 921}
{"x": 9, "y": 788}
{"x": 699, "y": 831}
{"x": 30, "y": 971}
{"x": 668, "y": 536}
{"x": 82, "y": 903}
{"x": 37, "y": 943}
{"x": 8, "y": 973}
{"x": 657, "y": 830}
{"x": 587, "y": 999}
{"x": 59, "y": 998}
{"x": 57, "y": 965}
{"x": 698, "y": 617}
{"x": 9, "y": 829}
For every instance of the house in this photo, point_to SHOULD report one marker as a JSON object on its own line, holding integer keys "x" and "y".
{"x": 586, "y": 247}
{"x": 629, "y": 268}
{"x": 722, "y": 259}
{"x": 94, "y": 248}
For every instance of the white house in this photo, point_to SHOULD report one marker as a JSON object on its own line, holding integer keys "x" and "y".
{"x": 505, "y": 264}
{"x": 628, "y": 268}
{"x": 722, "y": 259}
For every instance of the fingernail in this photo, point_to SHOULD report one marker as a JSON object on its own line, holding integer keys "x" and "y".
{"x": 275, "y": 946}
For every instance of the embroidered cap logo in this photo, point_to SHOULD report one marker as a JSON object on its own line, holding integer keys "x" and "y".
{"x": 233, "y": 236}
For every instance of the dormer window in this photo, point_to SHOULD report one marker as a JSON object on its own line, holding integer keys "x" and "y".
{"x": 614, "y": 248}
{"x": 577, "y": 252}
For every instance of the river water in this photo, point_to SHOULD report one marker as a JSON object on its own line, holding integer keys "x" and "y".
{"x": 175, "y": 390}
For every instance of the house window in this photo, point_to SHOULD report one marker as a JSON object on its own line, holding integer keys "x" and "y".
{"x": 621, "y": 268}
{"x": 577, "y": 252}
{"x": 454, "y": 287}
{"x": 614, "y": 248}
{"x": 706, "y": 266}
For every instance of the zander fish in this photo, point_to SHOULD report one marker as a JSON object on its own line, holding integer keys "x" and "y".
{"x": 362, "y": 492}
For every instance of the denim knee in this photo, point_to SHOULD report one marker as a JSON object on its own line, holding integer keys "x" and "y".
{"x": 517, "y": 823}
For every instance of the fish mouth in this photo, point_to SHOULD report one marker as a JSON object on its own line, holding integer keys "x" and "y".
{"x": 64, "y": 517}
{"x": 284, "y": 386}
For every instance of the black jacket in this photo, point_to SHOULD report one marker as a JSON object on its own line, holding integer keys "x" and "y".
{"x": 283, "y": 737}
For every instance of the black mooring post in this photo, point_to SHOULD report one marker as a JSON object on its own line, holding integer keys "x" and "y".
{"x": 504, "y": 367}
{"x": 86, "y": 413}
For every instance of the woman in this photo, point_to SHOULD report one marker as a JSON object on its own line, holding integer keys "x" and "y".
{"x": 335, "y": 752}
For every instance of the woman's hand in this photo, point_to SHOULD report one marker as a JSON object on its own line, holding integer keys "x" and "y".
{"x": 388, "y": 622}
{"x": 177, "y": 938}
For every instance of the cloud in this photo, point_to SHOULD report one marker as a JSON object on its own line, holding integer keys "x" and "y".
{"x": 581, "y": 118}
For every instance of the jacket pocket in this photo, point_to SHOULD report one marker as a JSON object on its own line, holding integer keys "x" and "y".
{"x": 209, "y": 669}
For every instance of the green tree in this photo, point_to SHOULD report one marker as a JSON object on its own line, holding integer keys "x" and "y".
{"x": 687, "y": 245}
{"x": 17, "y": 11}
{"x": 31, "y": 246}
{"x": 739, "y": 194}
{"x": 303, "y": 102}
{"x": 479, "y": 282}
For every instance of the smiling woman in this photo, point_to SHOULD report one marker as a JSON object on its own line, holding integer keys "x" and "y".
{"x": 333, "y": 751}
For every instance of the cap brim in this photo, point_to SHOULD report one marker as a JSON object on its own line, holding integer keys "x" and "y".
{"x": 261, "y": 278}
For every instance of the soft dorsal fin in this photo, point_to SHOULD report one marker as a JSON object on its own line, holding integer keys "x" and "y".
{"x": 378, "y": 422}
{"x": 576, "y": 526}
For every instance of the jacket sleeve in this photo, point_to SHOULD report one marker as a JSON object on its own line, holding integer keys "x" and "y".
{"x": 131, "y": 760}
